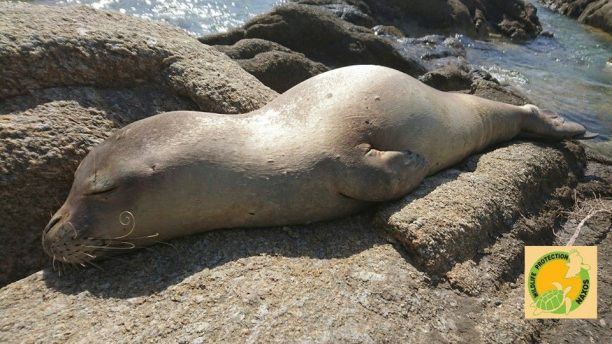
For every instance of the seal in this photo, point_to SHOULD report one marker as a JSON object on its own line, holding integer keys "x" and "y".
{"x": 326, "y": 148}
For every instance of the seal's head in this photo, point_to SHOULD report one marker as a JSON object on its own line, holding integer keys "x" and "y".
{"x": 100, "y": 214}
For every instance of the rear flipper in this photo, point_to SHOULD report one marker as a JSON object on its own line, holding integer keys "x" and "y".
{"x": 382, "y": 175}
{"x": 547, "y": 124}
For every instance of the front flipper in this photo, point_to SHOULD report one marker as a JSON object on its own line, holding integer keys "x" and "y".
{"x": 382, "y": 175}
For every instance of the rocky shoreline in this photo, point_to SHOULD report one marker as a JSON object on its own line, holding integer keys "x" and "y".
{"x": 597, "y": 13}
{"x": 298, "y": 40}
{"x": 71, "y": 76}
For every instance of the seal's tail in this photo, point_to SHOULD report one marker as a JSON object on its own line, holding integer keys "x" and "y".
{"x": 549, "y": 124}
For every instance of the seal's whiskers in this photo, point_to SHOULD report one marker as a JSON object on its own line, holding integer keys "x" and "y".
{"x": 132, "y": 246}
{"x": 88, "y": 255}
{"x": 95, "y": 265}
{"x": 132, "y": 238}
{"x": 167, "y": 244}
{"x": 73, "y": 229}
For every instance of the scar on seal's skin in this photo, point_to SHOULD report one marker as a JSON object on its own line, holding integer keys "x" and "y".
{"x": 324, "y": 149}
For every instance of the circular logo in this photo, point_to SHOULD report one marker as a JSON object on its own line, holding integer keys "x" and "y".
{"x": 558, "y": 282}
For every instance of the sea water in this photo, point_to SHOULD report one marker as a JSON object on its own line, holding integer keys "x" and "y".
{"x": 197, "y": 17}
{"x": 568, "y": 73}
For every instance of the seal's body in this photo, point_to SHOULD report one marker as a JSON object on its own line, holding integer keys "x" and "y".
{"x": 326, "y": 148}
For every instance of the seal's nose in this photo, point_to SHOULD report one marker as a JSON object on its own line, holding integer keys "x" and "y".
{"x": 52, "y": 232}
{"x": 54, "y": 220}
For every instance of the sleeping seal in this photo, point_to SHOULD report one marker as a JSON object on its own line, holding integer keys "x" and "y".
{"x": 324, "y": 149}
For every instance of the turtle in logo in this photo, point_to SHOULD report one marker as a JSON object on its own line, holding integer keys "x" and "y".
{"x": 553, "y": 300}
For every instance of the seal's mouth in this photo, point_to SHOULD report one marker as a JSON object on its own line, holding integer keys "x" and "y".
{"x": 61, "y": 241}
{"x": 66, "y": 243}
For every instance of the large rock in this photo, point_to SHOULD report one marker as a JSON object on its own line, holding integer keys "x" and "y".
{"x": 340, "y": 281}
{"x": 321, "y": 37}
{"x": 441, "y": 231}
{"x": 435, "y": 51}
{"x": 597, "y": 13}
{"x": 275, "y": 66}
{"x": 353, "y": 11}
{"x": 570, "y": 8}
{"x": 299, "y": 40}
{"x": 69, "y": 76}
{"x": 516, "y": 19}
{"x": 333, "y": 282}
{"x": 44, "y": 47}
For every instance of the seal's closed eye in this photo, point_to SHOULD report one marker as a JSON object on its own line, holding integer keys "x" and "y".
{"x": 100, "y": 191}
{"x": 98, "y": 187}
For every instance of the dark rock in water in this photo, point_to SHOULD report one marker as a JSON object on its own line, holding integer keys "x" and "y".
{"x": 547, "y": 34}
{"x": 314, "y": 28}
{"x": 275, "y": 66}
{"x": 513, "y": 30}
{"x": 322, "y": 37}
{"x": 434, "y": 50}
{"x": 68, "y": 78}
{"x": 512, "y": 18}
{"x": 388, "y": 30}
{"x": 597, "y": 13}
{"x": 350, "y": 13}
{"x": 491, "y": 89}
{"x": 432, "y": 15}
{"x": 570, "y": 8}
{"x": 449, "y": 78}
{"x": 353, "y": 11}
{"x": 359, "y": 5}
{"x": 445, "y": 57}
{"x": 479, "y": 74}
{"x": 463, "y": 78}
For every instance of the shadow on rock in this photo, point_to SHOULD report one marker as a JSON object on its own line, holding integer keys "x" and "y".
{"x": 154, "y": 269}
